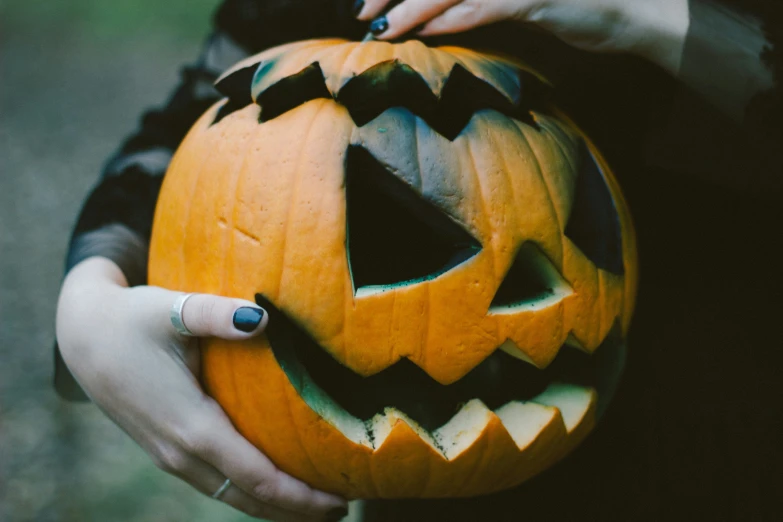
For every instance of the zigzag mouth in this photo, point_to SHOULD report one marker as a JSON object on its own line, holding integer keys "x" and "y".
{"x": 497, "y": 381}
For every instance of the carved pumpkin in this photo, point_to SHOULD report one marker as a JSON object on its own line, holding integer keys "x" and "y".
{"x": 448, "y": 265}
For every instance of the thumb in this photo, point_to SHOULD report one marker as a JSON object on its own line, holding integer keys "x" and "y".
{"x": 208, "y": 315}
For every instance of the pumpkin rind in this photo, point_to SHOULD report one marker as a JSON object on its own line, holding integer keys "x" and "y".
{"x": 251, "y": 207}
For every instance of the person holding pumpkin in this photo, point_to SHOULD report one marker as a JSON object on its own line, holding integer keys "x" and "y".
{"x": 114, "y": 333}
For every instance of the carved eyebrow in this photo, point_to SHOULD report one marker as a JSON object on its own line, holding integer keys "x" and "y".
{"x": 391, "y": 84}
{"x": 235, "y": 87}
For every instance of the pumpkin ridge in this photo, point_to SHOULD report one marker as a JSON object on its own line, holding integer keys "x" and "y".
{"x": 295, "y": 196}
{"x": 545, "y": 179}
{"x": 235, "y": 207}
{"x": 233, "y": 201}
{"x": 557, "y": 135}
{"x": 544, "y": 183}
{"x": 481, "y": 194}
{"x": 575, "y": 168}
{"x": 511, "y": 188}
{"x": 195, "y": 184}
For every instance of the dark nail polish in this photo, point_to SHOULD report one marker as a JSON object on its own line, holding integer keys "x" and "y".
{"x": 358, "y": 5}
{"x": 379, "y": 25}
{"x": 336, "y": 514}
{"x": 247, "y": 318}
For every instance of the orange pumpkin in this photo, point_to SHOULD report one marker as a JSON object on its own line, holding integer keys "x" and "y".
{"x": 448, "y": 264}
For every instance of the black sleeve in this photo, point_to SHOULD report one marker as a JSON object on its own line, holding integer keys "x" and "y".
{"x": 732, "y": 58}
{"x": 116, "y": 219}
{"x": 725, "y": 122}
{"x": 127, "y": 191}
{"x": 124, "y": 198}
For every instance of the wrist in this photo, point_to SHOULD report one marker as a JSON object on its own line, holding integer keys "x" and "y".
{"x": 97, "y": 270}
{"x": 87, "y": 289}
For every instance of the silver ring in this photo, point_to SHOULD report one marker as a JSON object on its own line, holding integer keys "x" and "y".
{"x": 222, "y": 489}
{"x": 176, "y": 315}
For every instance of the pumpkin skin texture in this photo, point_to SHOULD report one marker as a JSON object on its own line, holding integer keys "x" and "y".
{"x": 268, "y": 196}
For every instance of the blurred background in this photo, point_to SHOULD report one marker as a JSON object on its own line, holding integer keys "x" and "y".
{"x": 74, "y": 78}
{"x": 695, "y": 430}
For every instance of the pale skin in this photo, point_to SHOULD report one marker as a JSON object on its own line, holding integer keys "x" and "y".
{"x": 124, "y": 351}
{"x": 652, "y": 29}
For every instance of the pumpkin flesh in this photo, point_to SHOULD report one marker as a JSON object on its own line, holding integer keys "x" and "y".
{"x": 261, "y": 208}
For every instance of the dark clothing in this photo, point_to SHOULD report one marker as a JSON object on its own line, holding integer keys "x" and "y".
{"x": 694, "y": 431}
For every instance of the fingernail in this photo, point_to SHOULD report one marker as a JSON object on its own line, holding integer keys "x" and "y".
{"x": 247, "y": 318}
{"x": 358, "y": 5}
{"x": 336, "y": 514}
{"x": 379, "y": 25}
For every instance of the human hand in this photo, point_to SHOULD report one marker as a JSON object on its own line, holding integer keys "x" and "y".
{"x": 654, "y": 30}
{"x": 123, "y": 350}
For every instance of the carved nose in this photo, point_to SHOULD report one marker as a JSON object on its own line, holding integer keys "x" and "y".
{"x": 532, "y": 282}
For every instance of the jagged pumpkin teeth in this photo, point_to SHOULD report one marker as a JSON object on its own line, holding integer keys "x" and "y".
{"x": 574, "y": 402}
{"x": 513, "y": 349}
{"x": 448, "y": 440}
{"x": 573, "y": 342}
{"x": 525, "y": 421}
{"x": 463, "y": 429}
{"x": 425, "y": 250}
{"x": 383, "y": 424}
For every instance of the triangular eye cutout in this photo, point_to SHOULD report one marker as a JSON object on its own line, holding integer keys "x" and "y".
{"x": 236, "y": 87}
{"x": 531, "y": 283}
{"x": 291, "y": 92}
{"x": 594, "y": 225}
{"x": 394, "y": 236}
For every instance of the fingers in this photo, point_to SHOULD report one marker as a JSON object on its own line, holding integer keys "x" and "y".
{"x": 463, "y": 16}
{"x": 208, "y": 480}
{"x": 437, "y": 16}
{"x": 406, "y": 16}
{"x": 220, "y": 445}
{"x": 208, "y": 315}
{"x": 366, "y": 10}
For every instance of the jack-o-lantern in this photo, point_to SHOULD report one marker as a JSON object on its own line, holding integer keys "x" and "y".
{"x": 448, "y": 265}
